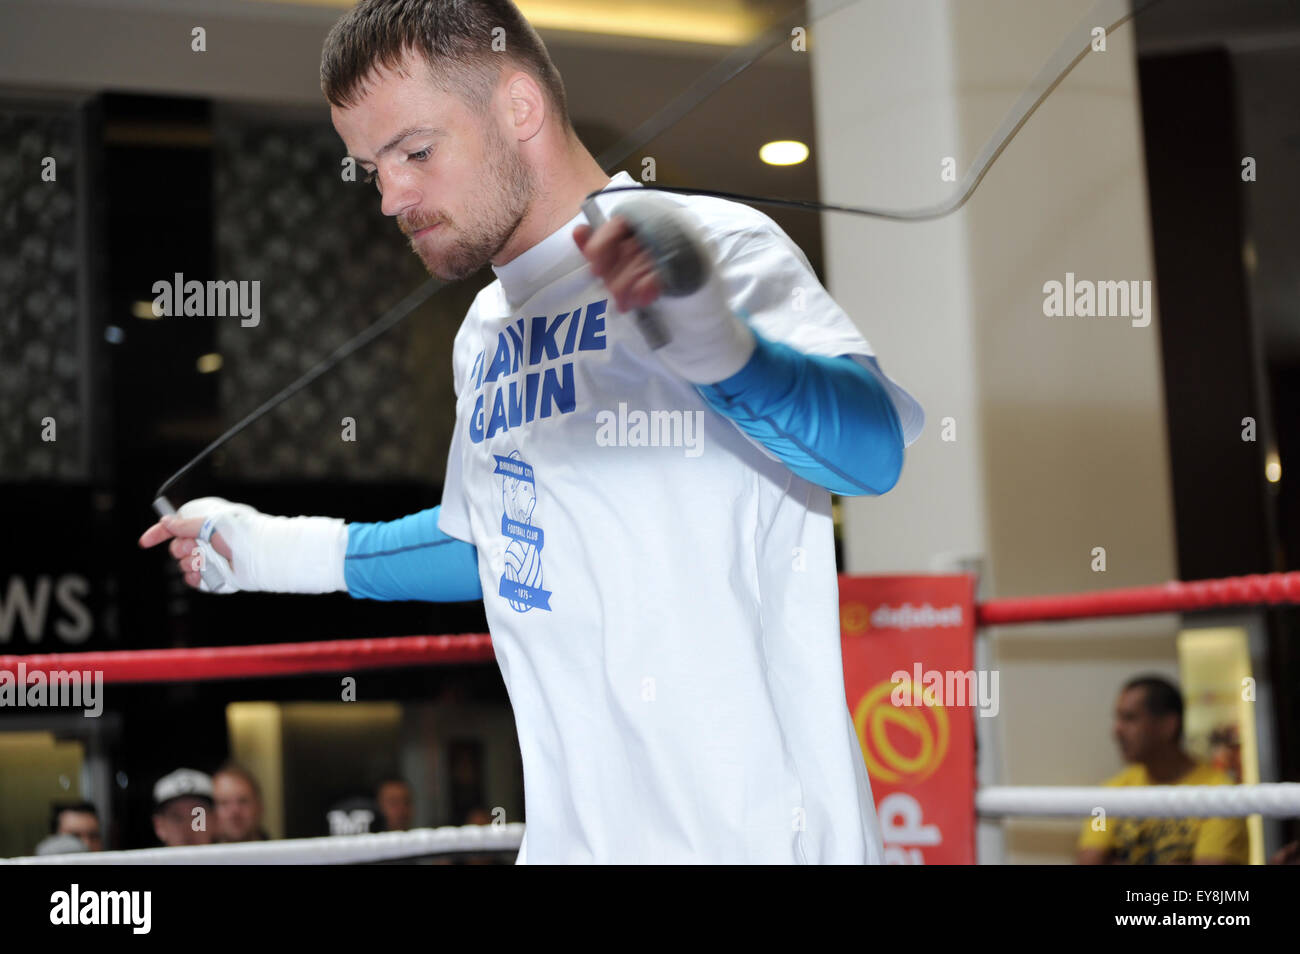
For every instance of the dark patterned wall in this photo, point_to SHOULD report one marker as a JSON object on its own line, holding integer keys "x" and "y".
{"x": 330, "y": 264}
{"x": 41, "y": 344}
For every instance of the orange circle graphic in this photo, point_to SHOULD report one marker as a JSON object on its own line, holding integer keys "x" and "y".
{"x": 854, "y": 618}
{"x": 879, "y": 723}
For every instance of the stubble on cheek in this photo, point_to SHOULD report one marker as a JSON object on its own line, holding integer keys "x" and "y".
{"x": 437, "y": 252}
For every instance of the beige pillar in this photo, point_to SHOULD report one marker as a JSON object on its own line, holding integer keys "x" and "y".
{"x": 1059, "y": 423}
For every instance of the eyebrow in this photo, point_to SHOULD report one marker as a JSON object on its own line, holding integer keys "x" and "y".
{"x": 401, "y": 137}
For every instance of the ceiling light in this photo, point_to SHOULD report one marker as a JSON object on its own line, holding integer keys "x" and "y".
{"x": 784, "y": 152}
{"x": 720, "y": 22}
{"x": 1272, "y": 467}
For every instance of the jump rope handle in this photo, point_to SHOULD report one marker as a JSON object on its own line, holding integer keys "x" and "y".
{"x": 211, "y": 574}
{"x": 646, "y": 321}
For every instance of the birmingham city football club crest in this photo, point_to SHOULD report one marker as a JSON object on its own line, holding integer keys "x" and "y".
{"x": 521, "y": 581}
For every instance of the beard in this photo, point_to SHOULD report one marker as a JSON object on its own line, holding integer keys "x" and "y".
{"x": 491, "y": 216}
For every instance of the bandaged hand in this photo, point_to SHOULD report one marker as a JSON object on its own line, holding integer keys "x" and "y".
{"x": 251, "y": 551}
{"x": 707, "y": 341}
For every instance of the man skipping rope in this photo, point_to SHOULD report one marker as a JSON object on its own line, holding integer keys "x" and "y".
{"x": 647, "y": 519}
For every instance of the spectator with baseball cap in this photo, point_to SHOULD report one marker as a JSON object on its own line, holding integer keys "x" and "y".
{"x": 182, "y": 801}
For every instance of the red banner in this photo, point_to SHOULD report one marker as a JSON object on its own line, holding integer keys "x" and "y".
{"x": 912, "y": 691}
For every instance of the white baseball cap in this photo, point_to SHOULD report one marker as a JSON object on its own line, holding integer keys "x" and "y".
{"x": 182, "y": 782}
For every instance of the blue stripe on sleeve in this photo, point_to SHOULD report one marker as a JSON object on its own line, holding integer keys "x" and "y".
{"x": 410, "y": 559}
{"x": 829, "y": 419}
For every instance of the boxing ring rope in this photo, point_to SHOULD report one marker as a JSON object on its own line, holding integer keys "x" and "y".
{"x": 276, "y": 659}
{"x": 329, "y": 850}
{"x": 1272, "y": 800}
{"x": 348, "y": 655}
{"x": 1276, "y": 800}
{"x": 1174, "y": 597}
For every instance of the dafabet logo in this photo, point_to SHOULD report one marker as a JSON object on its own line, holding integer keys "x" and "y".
{"x": 902, "y": 744}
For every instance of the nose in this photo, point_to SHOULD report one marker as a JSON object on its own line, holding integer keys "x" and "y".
{"x": 400, "y": 193}
{"x": 401, "y": 189}
{"x": 398, "y": 200}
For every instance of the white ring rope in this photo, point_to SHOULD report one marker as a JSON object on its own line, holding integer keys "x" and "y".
{"x": 1273, "y": 800}
{"x": 329, "y": 850}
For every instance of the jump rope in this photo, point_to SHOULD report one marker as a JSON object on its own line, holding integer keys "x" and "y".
{"x": 1107, "y": 15}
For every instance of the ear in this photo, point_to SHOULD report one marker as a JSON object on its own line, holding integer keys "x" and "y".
{"x": 528, "y": 107}
{"x": 1169, "y": 726}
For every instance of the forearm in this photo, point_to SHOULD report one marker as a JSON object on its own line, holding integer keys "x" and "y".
{"x": 830, "y": 420}
{"x": 410, "y": 559}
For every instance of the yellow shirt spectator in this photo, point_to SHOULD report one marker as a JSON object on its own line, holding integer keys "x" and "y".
{"x": 1165, "y": 841}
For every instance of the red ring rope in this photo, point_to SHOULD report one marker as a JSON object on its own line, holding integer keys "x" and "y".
{"x": 1162, "y": 598}
{"x": 345, "y": 655}
{"x": 278, "y": 659}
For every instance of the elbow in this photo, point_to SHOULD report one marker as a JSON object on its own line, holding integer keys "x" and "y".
{"x": 883, "y": 466}
{"x": 891, "y": 467}
{"x": 884, "y": 435}
{"x": 885, "y": 469}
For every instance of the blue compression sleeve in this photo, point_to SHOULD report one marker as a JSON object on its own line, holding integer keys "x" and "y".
{"x": 410, "y": 559}
{"x": 829, "y": 419}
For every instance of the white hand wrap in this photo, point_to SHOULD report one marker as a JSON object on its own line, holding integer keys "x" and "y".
{"x": 270, "y": 554}
{"x": 708, "y": 342}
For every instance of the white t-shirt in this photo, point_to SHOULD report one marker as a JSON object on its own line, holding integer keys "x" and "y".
{"x": 661, "y": 592}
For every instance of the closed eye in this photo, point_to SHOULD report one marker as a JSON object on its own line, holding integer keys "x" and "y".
{"x": 420, "y": 156}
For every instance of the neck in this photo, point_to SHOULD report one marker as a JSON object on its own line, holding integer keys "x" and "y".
{"x": 1168, "y": 766}
{"x": 562, "y": 185}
